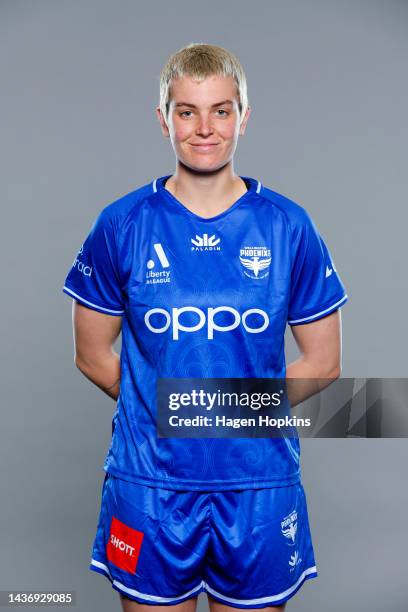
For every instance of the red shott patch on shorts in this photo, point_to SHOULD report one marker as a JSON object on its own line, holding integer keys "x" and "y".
{"x": 123, "y": 547}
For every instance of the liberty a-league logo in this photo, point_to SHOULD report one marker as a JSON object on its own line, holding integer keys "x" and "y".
{"x": 289, "y": 527}
{"x": 156, "y": 276}
{"x": 256, "y": 261}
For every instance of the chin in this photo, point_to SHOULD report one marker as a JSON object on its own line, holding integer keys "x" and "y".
{"x": 204, "y": 166}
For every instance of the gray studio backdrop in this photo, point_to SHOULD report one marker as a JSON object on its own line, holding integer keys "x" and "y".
{"x": 79, "y": 83}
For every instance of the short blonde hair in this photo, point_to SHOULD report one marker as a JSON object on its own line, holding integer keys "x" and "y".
{"x": 198, "y": 61}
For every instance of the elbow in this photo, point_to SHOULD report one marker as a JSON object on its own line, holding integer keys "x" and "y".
{"x": 78, "y": 363}
{"x": 90, "y": 361}
{"x": 326, "y": 369}
{"x": 333, "y": 370}
{"x": 81, "y": 364}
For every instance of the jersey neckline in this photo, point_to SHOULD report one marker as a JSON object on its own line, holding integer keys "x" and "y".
{"x": 253, "y": 187}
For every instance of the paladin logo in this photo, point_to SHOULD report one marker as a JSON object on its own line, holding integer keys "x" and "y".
{"x": 329, "y": 271}
{"x": 205, "y": 243}
{"x": 124, "y": 545}
{"x": 289, "y": 527}
{"x": 162, "y": 276}
{"x": 294, "y": 560}
{"x": 256, "y": 261}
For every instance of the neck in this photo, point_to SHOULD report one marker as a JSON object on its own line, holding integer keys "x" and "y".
{"x": 206, "y": 193}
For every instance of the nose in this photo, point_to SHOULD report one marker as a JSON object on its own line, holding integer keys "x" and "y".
{"x": 204, "y": 127}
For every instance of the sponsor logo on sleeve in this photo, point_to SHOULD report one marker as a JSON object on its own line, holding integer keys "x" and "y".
{"x": 123, "y": 547}
{"x": 80, "y": 266}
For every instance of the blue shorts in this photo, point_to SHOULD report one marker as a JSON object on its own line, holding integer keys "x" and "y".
{"x": 247, "y": 548}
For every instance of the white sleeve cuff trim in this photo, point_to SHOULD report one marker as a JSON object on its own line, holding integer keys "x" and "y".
{"x": 75, "y": 295}
{"x": 318, "y": 314}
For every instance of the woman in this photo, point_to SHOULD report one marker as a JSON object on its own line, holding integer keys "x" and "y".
{"x": 201, "y": 271}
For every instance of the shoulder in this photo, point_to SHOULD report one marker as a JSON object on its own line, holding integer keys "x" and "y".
{"x": 296, "y": 216}
{"x": 115, "y": 213}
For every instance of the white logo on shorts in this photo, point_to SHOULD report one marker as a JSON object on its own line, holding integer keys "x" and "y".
{"x": 289, "y": 527}
{"x": 294, "y": 560}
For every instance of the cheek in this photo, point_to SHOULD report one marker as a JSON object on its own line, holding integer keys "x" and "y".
{"x": 229, "y": 131}
{"x": 180, "y": 131}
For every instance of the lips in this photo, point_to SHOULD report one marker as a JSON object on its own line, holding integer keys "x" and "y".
{"x": 205, "y": 147}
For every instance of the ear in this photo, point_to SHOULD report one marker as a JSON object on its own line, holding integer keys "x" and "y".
{"x": 244, "y": 121}
{"x": 162, "y": 121}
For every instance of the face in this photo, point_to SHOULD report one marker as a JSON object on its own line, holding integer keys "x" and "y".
{"x": 204, "y": 121}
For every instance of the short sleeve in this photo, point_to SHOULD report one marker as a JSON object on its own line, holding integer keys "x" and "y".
{"x": 94, "y": 279}
{"x": 316, "y": 288}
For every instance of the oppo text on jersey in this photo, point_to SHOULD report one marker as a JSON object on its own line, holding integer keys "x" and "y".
{"x": 205, "y": 318}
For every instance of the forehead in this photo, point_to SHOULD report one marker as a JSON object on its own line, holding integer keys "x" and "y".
{"x": 209, "y": 91}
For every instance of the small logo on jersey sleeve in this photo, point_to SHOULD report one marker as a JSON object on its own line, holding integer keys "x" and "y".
{"x": 79, "y": 264}
{"x": 255, "y": 261}
{"x": 330, "y": 269}
{"x": 123, "y": 546}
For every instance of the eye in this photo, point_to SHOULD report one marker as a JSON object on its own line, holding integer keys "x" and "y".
{"x": 183, "y": 113}
{"x": 224, "y": 112}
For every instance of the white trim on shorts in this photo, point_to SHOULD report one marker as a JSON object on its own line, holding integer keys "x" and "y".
{"x": 127, "y": 591}
{"x": 268, "y": 599}
{"x": 310, "y": 571}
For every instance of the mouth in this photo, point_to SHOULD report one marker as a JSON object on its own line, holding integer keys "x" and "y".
{"x": 207, "y": 146}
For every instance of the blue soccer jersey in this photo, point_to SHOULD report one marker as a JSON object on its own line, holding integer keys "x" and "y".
{"x": 202, "y": 298}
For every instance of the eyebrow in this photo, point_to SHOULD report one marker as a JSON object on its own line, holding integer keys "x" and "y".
{"x": 223, "y": 103}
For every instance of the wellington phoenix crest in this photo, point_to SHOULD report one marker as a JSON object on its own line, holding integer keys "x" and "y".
{"x": 255, "y": 261}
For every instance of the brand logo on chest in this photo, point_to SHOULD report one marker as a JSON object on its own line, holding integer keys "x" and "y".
{"x": 205, "y": 243}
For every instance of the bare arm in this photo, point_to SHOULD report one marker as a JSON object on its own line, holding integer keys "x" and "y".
{"x": 94, "y": 335}
{"x": 319, "y": 363}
